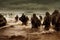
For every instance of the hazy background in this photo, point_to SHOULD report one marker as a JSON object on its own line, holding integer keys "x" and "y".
{"x": 29, "y": 4}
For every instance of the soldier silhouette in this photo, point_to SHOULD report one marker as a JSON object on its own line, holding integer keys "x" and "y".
{"x": 16, "y": 18}
{"x": 35, "y": 21}
{"x": 24, "y": 19}
{"x": 40, "y": 18}
{"x": 3, "y": 20}
{"x": 57, "y": 25}
{"x": 47, "y": 20}
{"x": 55, "y": 19}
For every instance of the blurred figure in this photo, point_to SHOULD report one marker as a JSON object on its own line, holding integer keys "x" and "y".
{"x": 57, "y": 26}
{"x": 16, "y": 18}
{"x": 40, "y": 18}
{"x": 35, "y": 21}
{"x": 24, "y": 19}
{"x": 55, "y": 19}
{"x": 3, "y": 20}
{"x": 47, "y": 20}
{"x": 55, "y": 12}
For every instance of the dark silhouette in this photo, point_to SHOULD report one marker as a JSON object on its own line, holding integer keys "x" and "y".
{"x": 16, "y": 18}
{"x": 3, "y": 21}
{"x": 40, "y": 18}
{"x": 54, "y": 17}
{"x": 55, "y": 20}
{"x": 57, "y": 26}
{"x": 35, "y": 21}
{"x": 24, "y": 19}
{"x": 55, "y": 12}
{"x": 47, "y": 20}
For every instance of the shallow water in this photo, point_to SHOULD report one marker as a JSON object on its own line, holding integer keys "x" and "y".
{"x": 16, "y": 29}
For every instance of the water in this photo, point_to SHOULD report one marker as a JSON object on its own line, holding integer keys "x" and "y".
{"x": 26, "y": 31}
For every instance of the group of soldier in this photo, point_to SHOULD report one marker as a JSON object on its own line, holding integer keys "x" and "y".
{"x": 53, "y": 19}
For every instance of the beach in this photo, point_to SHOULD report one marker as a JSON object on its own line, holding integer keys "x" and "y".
{"x": 16, "y": 31}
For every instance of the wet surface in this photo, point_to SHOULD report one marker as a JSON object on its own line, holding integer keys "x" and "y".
{"x": 16, "y": 31}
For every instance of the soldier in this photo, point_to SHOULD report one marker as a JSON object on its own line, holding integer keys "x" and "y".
{"x": 54, "y": 17}
{"x": 3, "y": 21}
{"x": 47, "y": 20}
{"x": 16, "y": 18}
{"x": 56, "y": 20}
{"x": 57, "y": 25}
{"x": 35, "y": 21}
{"x": 24, "y": 19}
{"x": 40, "y": 18}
